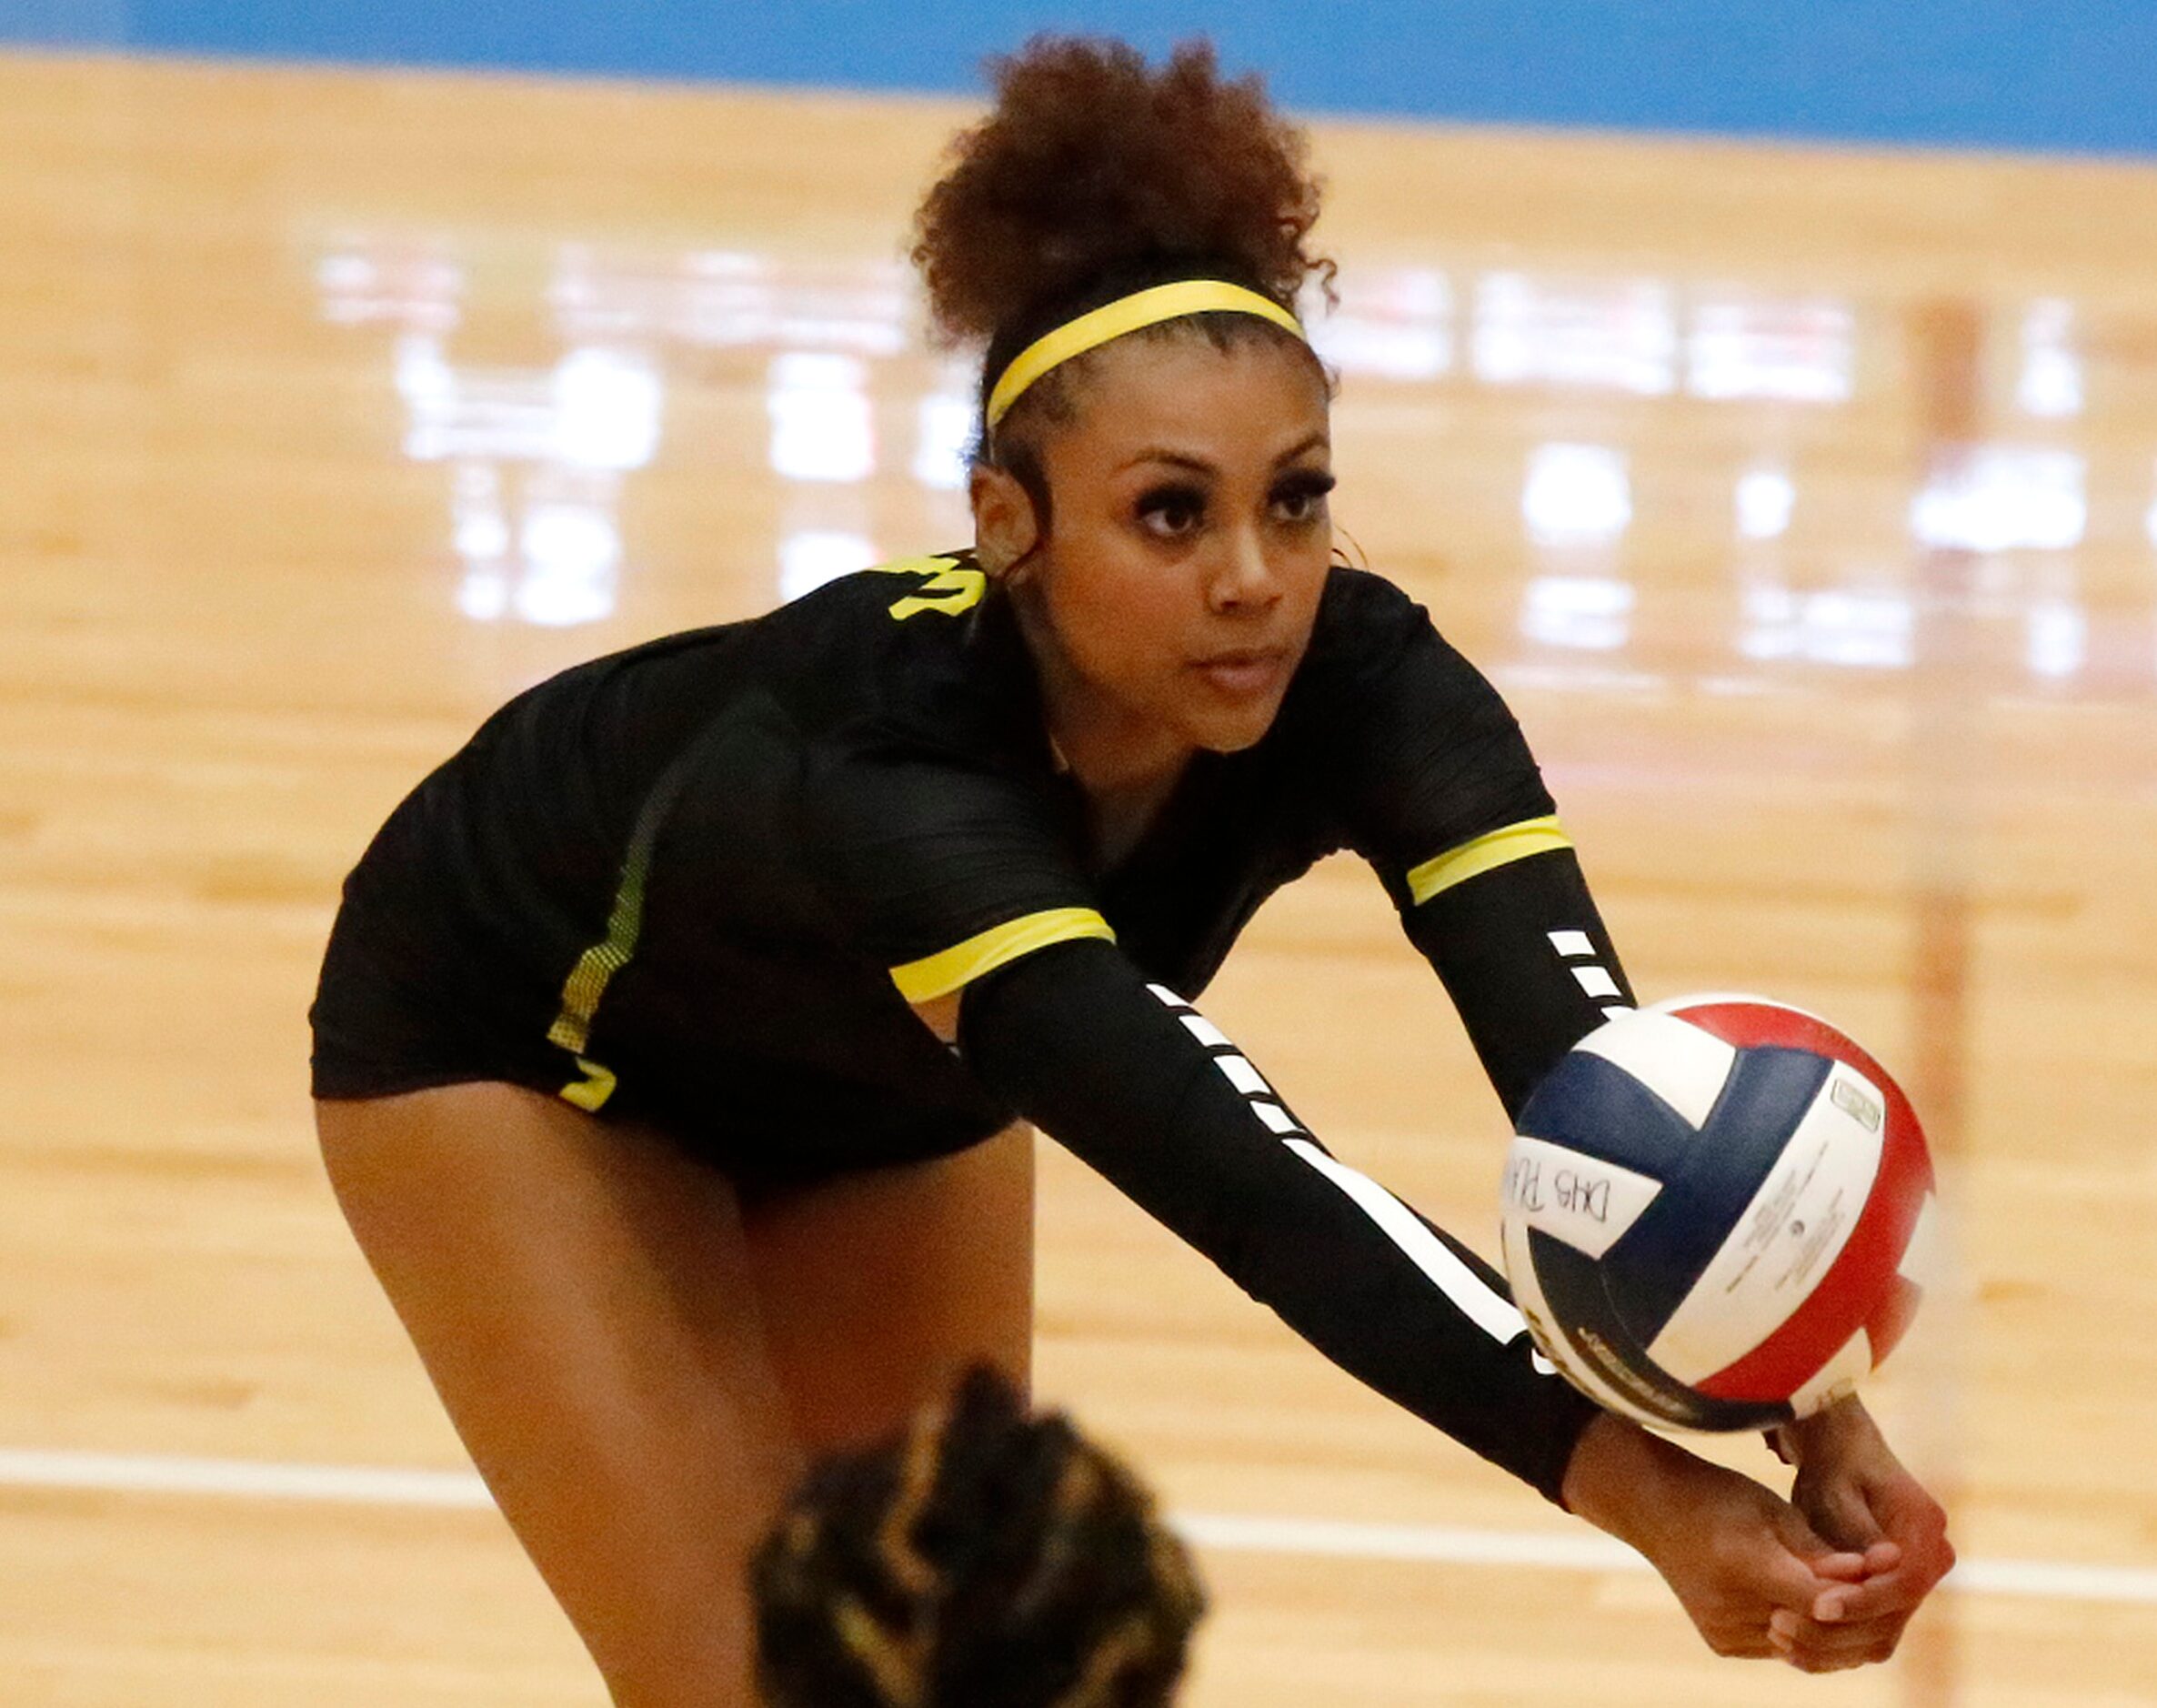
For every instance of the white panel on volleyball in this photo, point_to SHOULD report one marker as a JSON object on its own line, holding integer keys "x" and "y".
{"x": 1789, "y": 1236}
{"x": 1836, "y": 1379}
{"x": 1580, "y": 1199}
{"x": 1682, "y": 1064}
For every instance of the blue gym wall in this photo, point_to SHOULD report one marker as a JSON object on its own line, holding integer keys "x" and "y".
{"x": 2077, "y": 76}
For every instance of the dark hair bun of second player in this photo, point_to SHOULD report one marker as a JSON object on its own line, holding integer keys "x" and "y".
{"x": 986, "y": 1556}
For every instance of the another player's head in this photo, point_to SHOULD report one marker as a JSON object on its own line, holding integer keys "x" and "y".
{"x": 984, "y": 1559}
{"x": 1155, "y": 502}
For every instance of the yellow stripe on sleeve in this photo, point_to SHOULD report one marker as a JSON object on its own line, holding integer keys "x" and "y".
{"x": 940, "y": 974}
{"x": 1486, "y": 853}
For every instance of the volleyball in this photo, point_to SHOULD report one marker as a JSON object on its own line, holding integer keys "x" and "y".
{"x": 1717, "y": 1213}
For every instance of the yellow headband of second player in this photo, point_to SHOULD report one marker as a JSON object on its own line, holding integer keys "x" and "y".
{"x": 1128, "y": 314}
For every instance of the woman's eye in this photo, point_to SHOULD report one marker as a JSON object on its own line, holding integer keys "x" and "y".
{"x": 1172, "y": 510}
{"x": 1302, "y": 500}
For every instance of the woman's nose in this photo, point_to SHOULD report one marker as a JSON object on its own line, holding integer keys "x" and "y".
{"x": 1246, "y": 574}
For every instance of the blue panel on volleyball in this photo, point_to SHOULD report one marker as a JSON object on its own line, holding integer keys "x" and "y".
{"x": 1655, "y": 1262}
{"x": 1579, "y": 1292}
{"x": 1595, "y": 1107}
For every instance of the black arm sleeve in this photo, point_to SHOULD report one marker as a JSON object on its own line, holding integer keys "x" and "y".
{"x": 1428, "y": 762}
{"x": 1524, "y": 955}
{"x": 1141, "y": 1087}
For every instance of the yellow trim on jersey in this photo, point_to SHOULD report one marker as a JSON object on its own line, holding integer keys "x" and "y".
{"x": 595, "y": 968}
{"x": 587, "y": 980}
{"x": 592, "y": 1091}
{"x": 1127, "y": 315}
{"x": 935, "y": 564}
{"x": 950, "y": 589}
{"x": 940, "y": 974}
{"x": 1486, "y": 853}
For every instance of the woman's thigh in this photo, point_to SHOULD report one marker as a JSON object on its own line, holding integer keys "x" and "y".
{"x": 585, "y": 1301}
{"x": 880, "y": 1289}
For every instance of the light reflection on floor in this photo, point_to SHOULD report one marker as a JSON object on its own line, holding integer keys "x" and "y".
{"x": 537, "y": 457}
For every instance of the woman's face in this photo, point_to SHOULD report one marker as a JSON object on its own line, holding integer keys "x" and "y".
{"x": 1188, "y": 543}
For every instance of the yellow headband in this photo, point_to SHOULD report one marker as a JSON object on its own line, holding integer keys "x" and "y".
{"x": 1128, "y": 314}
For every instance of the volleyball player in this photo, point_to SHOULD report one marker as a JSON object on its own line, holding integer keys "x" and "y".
{"x": 675, "y": 1037}
{"x": 981, "y": 1558}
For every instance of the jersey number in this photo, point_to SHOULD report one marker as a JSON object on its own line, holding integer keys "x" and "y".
{"x": 948, "y": 588}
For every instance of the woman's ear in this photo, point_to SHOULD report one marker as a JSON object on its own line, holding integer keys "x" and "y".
{"x": 1006, "y": 530}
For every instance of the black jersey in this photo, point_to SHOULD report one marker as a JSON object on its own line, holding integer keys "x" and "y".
{"x": 700, "y": 881}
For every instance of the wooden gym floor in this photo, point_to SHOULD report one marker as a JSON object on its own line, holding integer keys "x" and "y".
{"x": 1802, "y": 502}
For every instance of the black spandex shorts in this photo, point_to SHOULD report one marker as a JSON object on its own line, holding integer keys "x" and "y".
{"x": 390, "y": 1016}
{"x": 405, "y": 1005}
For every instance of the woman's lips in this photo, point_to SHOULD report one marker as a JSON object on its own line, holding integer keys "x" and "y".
{"x": 1244, "y": 674}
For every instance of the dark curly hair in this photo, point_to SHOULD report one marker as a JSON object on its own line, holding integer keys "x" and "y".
{"x": 1094, "y": 177}
{"x": 984, "y": 1559}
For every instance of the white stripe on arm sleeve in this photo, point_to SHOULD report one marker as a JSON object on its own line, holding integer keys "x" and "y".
{"x": 1130, "y": 1081}
{"x": 1481, "y": 1304}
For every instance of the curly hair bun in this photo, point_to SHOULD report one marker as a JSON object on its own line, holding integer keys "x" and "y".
{"x": 984, "y": 1559}
{"x": 1095, "y": 171}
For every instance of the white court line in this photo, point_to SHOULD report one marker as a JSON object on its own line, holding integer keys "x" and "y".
{"x": 364, "y": 1485}
{"x": 2042, "y": 1580}
{"x": 245, "y": 1478}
